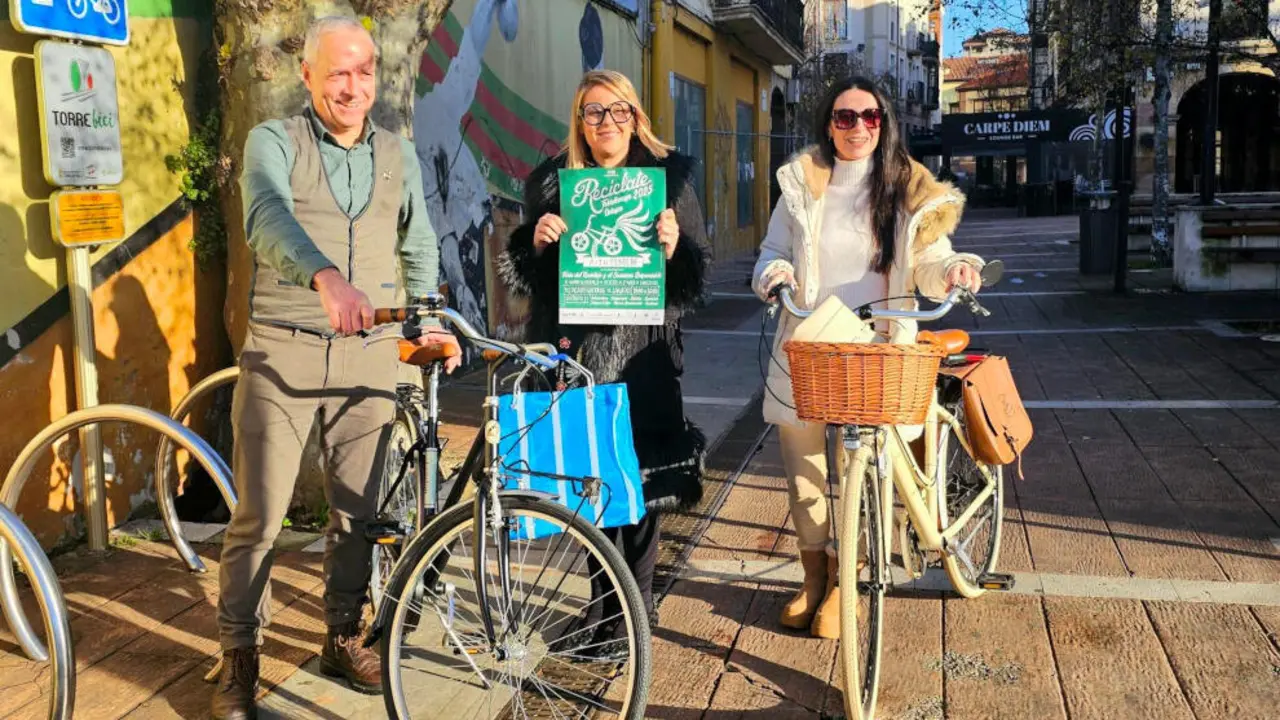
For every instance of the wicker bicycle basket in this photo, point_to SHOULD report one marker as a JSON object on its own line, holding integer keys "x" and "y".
{"x": 863, "y": 383}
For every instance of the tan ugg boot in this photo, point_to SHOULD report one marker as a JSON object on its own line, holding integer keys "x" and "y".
{"x": 826, "y": 621}
{"x": 798, "y": 613}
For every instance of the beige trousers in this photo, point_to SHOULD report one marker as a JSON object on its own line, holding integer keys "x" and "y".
{"x": 804, "y": 457}
{"x": 288, "y": 381}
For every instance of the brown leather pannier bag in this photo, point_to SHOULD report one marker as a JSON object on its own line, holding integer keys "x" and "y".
{"x": 997, "y": 423}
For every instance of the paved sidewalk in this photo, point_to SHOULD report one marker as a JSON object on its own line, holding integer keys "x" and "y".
{"x": 1146, "y": 537}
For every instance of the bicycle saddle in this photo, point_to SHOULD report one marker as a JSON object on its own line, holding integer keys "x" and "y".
{"x": 953, "y": 341}
{"x": 424, "y": 355}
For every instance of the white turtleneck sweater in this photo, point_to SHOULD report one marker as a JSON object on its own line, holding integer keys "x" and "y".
{"x": 846, "y": 245}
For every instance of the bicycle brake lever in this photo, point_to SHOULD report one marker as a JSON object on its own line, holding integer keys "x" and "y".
{"x": 380, "y": 335}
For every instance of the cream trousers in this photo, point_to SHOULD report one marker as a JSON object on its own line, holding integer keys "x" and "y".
{"x": 804, "y": 457}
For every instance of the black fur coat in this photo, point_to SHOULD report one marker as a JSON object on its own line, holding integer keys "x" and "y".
{"x": 649, "y": 359}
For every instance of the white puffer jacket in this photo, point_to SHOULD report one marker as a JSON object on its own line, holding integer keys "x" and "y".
{"x": 922, "y": 255}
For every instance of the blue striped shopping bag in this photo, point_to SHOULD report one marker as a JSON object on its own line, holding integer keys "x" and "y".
{"x": 579, "y": 432}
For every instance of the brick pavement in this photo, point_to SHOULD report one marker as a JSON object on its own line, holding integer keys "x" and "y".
{"x": 1152, "y": 478}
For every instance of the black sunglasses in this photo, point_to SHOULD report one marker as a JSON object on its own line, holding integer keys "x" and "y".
{"x": 621, "y": 112}
{"x": 845, "y": 119}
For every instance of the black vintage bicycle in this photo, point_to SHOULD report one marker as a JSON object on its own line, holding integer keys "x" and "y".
{"x": 478, "y": 616}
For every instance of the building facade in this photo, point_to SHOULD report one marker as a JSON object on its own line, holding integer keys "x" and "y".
{"x": 717, "y": 70}
{"x": 991, "y": 74}
{"x": 896, "y": 43}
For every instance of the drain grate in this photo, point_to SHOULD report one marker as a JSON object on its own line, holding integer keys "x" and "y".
{"x": 1254, "y": 327}
{"x": 725, "y": 461}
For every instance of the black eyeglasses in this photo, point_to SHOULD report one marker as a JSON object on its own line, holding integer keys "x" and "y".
{"x": 621, "y": 112}
{"x": 845, "y": 119}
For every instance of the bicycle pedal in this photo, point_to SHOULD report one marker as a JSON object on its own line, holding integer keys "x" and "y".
{"x": 996, "y": 581}
{"x": 384, "y": 533}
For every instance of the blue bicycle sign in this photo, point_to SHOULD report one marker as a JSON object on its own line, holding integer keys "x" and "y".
{"x": 102, "y": 21}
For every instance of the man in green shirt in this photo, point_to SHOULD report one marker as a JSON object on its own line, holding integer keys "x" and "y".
{"x": 331, "y": 202}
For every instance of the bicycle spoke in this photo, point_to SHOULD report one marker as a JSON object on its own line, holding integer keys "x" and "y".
{"x": 582, "y": 612}
{"x": 566, "y": 694}
{"x": 561, "y": 541}
{"x": 542, "y": 689}
{"x": 546, "y": 608}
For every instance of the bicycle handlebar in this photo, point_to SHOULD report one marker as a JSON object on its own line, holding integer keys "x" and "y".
{"x": 957, "y": 295}
{"x": 433, "y": 306}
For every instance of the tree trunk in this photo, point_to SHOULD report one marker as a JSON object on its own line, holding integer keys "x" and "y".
{"x": 1160, "y": 240}
{"x": 1099, "y": 147}
{"x": 259, "y": 62}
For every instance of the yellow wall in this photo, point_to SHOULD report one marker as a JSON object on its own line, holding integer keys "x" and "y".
{"x": 152, "y": 344}
{"x": 688, "y": 46}
{"x": 158, "y": 328}
{"x": 161, "y": 53}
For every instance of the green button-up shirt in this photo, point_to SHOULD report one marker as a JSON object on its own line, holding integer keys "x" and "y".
{"x": 280, "y": 241}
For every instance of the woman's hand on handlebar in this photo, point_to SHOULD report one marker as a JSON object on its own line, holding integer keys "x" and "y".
{"x": 779, "y": 280}
{"x": 964, "y": 275}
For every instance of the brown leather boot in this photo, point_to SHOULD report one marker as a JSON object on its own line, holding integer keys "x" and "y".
{"x": 237, "y": 685}
{"x": 826, "y": 621}
{"x": 346, "y": 657}
{"x": 798, "y": 613}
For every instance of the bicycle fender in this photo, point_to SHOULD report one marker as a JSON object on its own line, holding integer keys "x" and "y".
{"x": 531, "y": 494}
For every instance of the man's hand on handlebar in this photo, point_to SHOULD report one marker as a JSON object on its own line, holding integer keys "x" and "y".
{"x": 348, "y": 308}
{"x": 436, "y": 336}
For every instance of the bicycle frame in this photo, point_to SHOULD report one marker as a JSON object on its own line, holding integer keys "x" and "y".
{"x": 480, "y": 468}
{"x": 925, "y": 510}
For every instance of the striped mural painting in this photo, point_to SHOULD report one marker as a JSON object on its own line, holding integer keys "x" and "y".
{"x": 493, "y": 94}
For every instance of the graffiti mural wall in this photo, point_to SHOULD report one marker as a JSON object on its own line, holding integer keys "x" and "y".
{"x": 493, "y": 100}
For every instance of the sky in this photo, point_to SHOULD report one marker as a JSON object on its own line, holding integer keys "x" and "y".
{"x": 962, "y": 19}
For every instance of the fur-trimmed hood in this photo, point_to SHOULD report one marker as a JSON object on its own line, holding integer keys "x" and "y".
{"x": 942, "y": 204}
{"x": 922, "y": 256}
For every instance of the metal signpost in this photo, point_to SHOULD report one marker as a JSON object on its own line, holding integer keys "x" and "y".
{"x": 80, "y": 131}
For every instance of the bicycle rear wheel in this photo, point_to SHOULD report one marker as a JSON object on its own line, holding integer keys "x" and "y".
{"x": 569, "y": 641}
{"x": 975, "y": 549}
{"x": 862, "y": 558}
{"x": 397, "y": 502}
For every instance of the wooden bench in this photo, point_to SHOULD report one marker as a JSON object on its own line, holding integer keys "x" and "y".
{"x": 1140, "y": 218}
{"x": 1228, "y": 225}
{"x": 1228, "y": 248}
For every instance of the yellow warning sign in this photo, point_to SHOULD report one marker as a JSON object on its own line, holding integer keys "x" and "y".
{"x": 87, "y": 217}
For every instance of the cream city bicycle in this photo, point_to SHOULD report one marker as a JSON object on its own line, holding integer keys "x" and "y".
{"x": 873, "y": 397}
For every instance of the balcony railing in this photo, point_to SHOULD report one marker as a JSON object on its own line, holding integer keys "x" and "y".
{"x": 774, "y": 28}
{"x": 929, "y": 49}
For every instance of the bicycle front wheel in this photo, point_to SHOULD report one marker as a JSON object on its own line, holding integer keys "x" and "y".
{"x": 570, "y": 633}
{"x": 863, "y": 578}
{"x": 974, "y": 550}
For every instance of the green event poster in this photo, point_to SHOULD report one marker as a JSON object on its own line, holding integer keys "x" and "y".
{"x": 612, "y": 270}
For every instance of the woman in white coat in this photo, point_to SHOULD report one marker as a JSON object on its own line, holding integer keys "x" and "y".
{"x": 860, "y": 220}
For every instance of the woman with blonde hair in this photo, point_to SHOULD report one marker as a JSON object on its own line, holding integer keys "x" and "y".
{"x": 608, "y": 129}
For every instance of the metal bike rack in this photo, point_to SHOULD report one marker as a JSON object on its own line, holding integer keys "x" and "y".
{"x": 164, "y": 494}
{"x": 26, "y": 462}
{"x": 56, "y": 625}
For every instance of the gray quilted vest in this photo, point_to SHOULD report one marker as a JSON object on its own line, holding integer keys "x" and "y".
{"x": 363, "y": 248}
